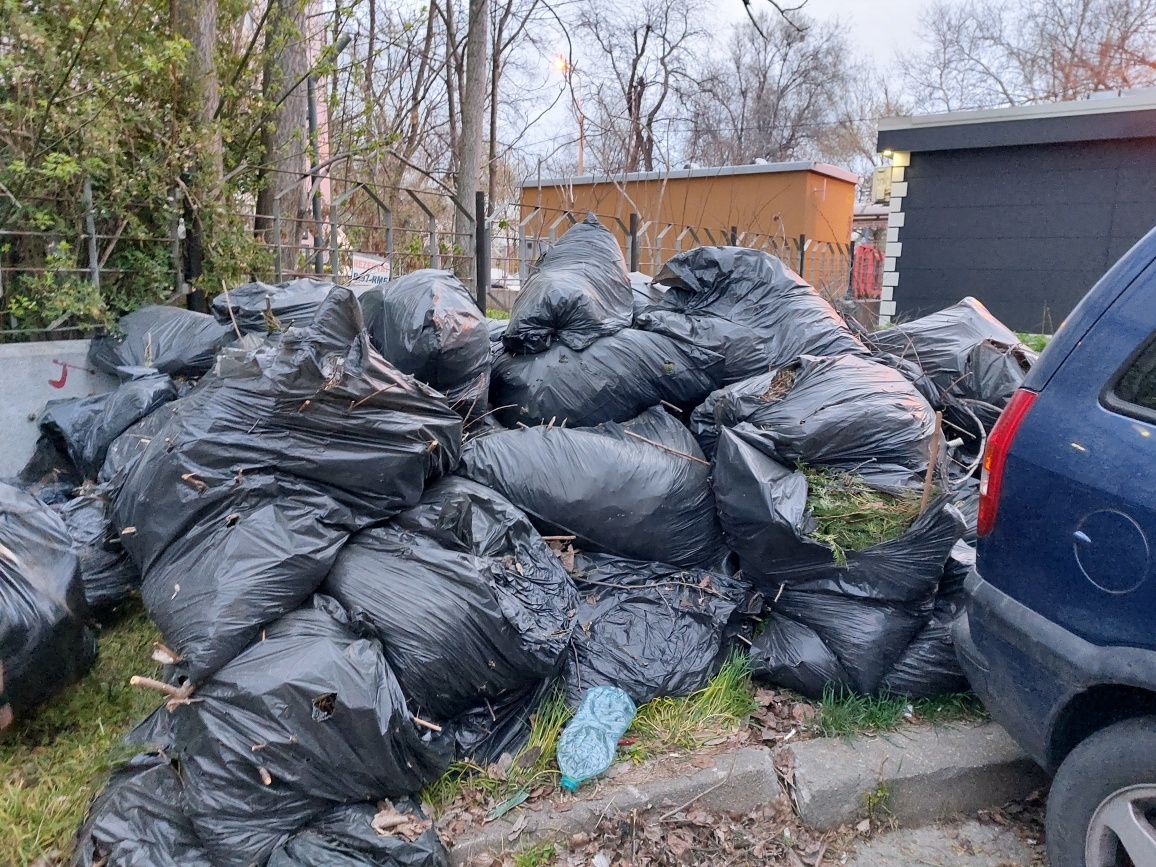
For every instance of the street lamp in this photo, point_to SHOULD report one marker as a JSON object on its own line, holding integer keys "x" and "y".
{"x": 562, "y": 65}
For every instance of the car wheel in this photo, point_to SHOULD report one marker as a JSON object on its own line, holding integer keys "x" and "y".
{"x": 1102, "y": 805}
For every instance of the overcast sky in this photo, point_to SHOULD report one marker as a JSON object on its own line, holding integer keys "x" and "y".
{"x": 877, "y": 27}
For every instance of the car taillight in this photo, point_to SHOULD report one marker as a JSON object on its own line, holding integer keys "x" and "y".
{"x": 995, "y": 456}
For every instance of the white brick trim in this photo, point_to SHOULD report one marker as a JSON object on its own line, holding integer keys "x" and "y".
{"x": 896, "y": 219}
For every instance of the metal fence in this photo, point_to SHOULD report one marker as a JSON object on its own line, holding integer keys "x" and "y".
{"x": 373, "y": 247}
{"x": 648, "y": 244}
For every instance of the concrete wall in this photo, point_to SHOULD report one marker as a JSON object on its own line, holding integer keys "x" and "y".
{"x": 31, "y": 374}
{"x": 1026, "y": 229}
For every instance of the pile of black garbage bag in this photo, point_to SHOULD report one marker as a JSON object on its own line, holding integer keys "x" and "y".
{"x": 376, "y": 532}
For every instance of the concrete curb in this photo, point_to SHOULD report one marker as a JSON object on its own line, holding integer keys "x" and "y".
{"x": 740, "y": 780}
{"x": 915, "y": 776}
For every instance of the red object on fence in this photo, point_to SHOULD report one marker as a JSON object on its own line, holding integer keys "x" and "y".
{"x": 867, "y": 273}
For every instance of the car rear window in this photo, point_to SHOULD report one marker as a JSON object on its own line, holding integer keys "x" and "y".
{"x": 1137, "y": 387}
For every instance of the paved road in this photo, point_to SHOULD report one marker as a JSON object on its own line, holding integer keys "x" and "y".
{"x": 963, "y": 844}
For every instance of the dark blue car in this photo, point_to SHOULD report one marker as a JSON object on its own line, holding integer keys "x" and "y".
{"x": 1060, "y": 633}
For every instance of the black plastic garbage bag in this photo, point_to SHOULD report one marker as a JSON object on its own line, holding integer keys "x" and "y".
{"x": 259, "y": 307}
{"x": 107, "y": 572}
{"x": 237, "y": 508}
{"x": 427, "y": 324}
{"x": 974, "y": 361}
{"x": 966, "y": 499}
{"x": 130, "y": 445}
{"x": 842, "y": 411}
{"x": 791, "y": 655}
{"x": 170, "y": 339}
{"x": 578, "y": 291}
{"x": 638, "y": 489}
{"x": 138, "y": 821}
{"x": 942, "y": 344}
{"x": 613, "y": 379}
{"x": 345, "y": 837}
{"x": 647, "y": 292}
{"x": 994, "y": 371}
{"x": 650, "y": 629}
{"x": 483, "y": 734}
{"x": 469, "y": 603}
{"x": 762, "y": 506}
{"x": 748, "y": 306}
{"x": 930, "y": 666}
{"x": 865, "y": 612}
{"x": 87, "y": 426}
{"x": 763, "y": 510}
{"x": 45, "y": 644}
{"x": 496, "y": 329}
{"x": 306, "y": 718}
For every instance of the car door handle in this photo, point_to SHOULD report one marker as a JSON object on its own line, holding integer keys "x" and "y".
{"x": 1082, "y": 538}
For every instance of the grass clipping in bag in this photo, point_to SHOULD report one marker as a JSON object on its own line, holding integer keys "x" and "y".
{"x": 850, "y": 515}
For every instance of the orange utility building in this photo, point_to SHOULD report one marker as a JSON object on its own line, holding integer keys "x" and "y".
{"x": 773, "y": 206}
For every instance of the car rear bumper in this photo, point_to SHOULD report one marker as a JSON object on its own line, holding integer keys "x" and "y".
{"x": 1023, "y": 666}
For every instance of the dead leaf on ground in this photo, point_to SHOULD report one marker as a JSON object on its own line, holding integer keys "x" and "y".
{"x": 389, "y": 821}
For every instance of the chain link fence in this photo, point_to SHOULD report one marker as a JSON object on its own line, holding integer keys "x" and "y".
{"x": 358, "y": 239}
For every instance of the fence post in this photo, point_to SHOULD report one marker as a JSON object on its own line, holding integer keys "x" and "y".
{"x": 90, "y": 229}
{"x": 802, "y": 255}
{"x": 334, "y": 253}
{"x": 481, "y": 250}
{"x": 194, "y": 259}
{"x": 734, "y": 236}
{"x": 314, "y": 175}
{"x": 851, "y": 270}
{"x": 278, "y": 266}
{"x": 634, "y": 251}
{"x": 389, "y": 241}
{"x": 176, "y": 235}
{"x": 435, "y": 260}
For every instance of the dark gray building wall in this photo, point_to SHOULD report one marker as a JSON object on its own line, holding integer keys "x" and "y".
{"x": 1025, "y": 229}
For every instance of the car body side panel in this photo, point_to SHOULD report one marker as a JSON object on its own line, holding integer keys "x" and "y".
{"x": 1076, "y": 526}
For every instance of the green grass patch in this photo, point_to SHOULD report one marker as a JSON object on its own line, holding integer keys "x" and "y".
{"x": 498, "y": 313}
{"x": 536, "y": 856}
{"x": 1036, "y": 342}
{"x": 532, "y": 766}
{"x": 53, "y": 761}
{"x": 842, "y": 714}
{"x": 660, "y": 725}
{"x": 678, "y": 723}
{"x": 850, "y": 515}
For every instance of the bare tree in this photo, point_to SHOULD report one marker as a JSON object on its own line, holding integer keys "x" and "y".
{"x": 511, "y": 20}
{"x": 984, "y": 53}
{"x": 283, "y": 132}
{"x": 775, "y": 96}
{"x": 644, "y": 49}
{"x": 475, "y": 86}
{"x": 196, "y": 22}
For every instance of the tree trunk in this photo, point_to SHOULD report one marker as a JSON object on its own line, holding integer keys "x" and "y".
{"x": 473, "y": 107}
{"x": 196, "y": 21}
{"x": 284, "y": 136}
